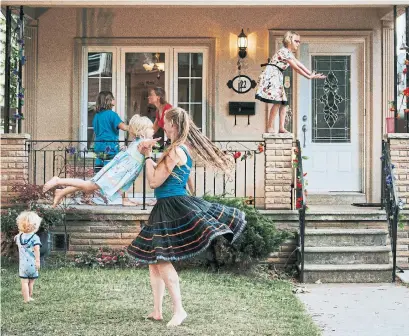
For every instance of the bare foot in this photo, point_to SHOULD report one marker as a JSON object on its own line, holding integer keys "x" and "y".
{"x": 128, "y": 201}
{"x": 58, "y": 195}
{"x": 154, "y": 316}
{"x": 177, "y": 319}
{"x": 283, "y": 131}
{"x": 272, "y": 131}
{"x": 153, "y": 202}
{"x": 50, "y": 184}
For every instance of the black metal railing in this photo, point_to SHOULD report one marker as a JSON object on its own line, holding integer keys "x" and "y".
{"x": 301, "y": 205}
{"x": 390, "y": 201}
{"x": 48, "y": 158}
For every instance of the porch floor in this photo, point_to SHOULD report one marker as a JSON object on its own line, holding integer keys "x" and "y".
{"x": 312, "y": 209}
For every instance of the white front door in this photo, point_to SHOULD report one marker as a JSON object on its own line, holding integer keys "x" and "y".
{"x": 330, "y": 116}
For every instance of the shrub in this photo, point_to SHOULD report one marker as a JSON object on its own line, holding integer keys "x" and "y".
{"x": 258, "y": 240}
{"x": 30, "y": 197}
{"x": 104, "y": 257}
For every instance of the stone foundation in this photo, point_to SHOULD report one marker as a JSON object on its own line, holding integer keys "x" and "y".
{"x": 278, "y": 170}
{"x": 14, "y": 165}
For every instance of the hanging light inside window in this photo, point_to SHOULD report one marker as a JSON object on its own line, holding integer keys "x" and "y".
{"x": 155, "y": 66}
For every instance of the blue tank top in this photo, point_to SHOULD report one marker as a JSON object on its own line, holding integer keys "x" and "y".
{"x": 175, "y": 184}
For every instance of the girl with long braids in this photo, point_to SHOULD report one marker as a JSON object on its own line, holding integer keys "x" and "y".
{"x": 181, "y": 226}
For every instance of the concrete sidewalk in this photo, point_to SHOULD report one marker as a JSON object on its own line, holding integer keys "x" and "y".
{"x": 359, "y": 309}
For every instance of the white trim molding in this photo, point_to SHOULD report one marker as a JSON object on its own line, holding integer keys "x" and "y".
{"x": 117, "y": 3}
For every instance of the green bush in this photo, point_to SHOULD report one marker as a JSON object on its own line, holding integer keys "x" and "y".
{"x": 31, "y": 198}
{"x": 50, "y": 216}
{"x": 258, "y": 240}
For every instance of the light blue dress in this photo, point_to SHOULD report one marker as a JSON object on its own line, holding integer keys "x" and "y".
{"x": 121, "y": 172}
{"x": 26, "y": 243}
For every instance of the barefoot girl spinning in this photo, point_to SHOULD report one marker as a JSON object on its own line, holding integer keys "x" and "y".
{"x": 181, "y": 226}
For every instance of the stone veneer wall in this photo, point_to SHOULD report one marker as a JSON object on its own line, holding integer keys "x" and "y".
{"x": 14, "y": 164}
{"x": 399, "y": 151}
{"x": 98, "y": 226}
{"x": 278, "y": 170}
{"x": 101, "y": 226}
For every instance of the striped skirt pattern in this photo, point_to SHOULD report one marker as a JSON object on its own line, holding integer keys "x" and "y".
{"x": 181, "y": 227}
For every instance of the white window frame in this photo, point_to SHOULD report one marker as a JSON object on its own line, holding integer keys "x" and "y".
{"x": 191, "y": 50}
{"x": 84, "y": 92}
{"x": 118, "y": 78}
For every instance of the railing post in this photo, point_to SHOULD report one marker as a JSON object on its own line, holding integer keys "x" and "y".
{"x": 394, "y": 241}
{"x": 301, "y": 205}
{"x": 7, "y": 76}
{"x": 383, "y": 175}
{"x": 144, "y": 188}
{"x": 20, "y": 69}
{"x": 391, "y": 199}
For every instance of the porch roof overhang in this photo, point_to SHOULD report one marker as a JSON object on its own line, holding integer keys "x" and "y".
{"x": 207, "y": 3}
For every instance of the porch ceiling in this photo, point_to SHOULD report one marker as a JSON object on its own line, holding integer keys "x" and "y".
{"x": 118, "y": 3}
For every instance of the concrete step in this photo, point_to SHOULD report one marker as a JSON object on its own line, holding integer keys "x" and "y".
{"x": 335, "y": 198}
{"x": 348, "y": 273}
{"x": 344, "y": 216}
{"x": 346, "y": 255}
{"x": 345, "y": 237}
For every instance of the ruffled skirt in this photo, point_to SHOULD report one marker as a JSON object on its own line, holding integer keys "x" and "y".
{"x": 181, "y": 227}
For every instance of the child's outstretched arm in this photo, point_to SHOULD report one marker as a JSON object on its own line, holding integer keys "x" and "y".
{"x": 303, "y": 67}
{"x": 147, "y": 144}
{"x": 124, "y": 127}
{"x": 303, "y": 71}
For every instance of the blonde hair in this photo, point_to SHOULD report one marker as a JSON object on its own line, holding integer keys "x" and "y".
{"x": 104, "y": 101}
{"x": 28, "y": 221}
{"x": 288, "y": 37}
{"x": 139, "y": 125}
{"x": 202, "y": 149}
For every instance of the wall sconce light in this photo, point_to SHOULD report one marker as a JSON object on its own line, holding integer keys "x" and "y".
{"x": 242, "y": 44}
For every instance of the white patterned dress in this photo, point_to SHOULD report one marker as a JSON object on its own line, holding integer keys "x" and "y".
{"x": 121, "y": 172}
{"x": 270, "y": 87}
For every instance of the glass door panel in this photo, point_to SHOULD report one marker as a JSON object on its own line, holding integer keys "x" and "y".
{"x": 143, "y": 72}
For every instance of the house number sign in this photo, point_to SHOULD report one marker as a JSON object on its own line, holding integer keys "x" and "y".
{"x": 241, "y": 84}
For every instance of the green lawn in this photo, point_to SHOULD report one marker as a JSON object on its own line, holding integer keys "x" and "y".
{"x": 72, "y": 301}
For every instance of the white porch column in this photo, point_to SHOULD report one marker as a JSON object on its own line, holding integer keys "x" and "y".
{"x": 30, "y": 81}
{"x": 387, "y": 69}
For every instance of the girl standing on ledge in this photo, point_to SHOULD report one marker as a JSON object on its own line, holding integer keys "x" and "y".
{"x": 271, "y": 81}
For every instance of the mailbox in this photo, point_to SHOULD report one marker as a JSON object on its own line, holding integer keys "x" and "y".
{"x": 242, "y": 108}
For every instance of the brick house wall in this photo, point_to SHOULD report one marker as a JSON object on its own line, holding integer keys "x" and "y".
{"x": 14, "y": 164}
{"x": 399, "y": 151}
{"x": 278, "y": 170}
